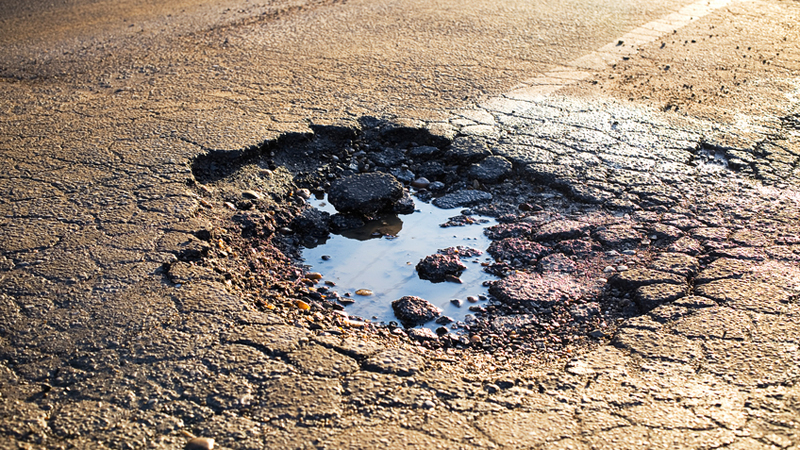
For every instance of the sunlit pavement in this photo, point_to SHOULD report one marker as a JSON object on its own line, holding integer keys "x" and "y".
{"x": 682, "y": 115}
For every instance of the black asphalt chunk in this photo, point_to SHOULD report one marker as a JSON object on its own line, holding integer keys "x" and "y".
{"x": 437, "y": 267}
{"x": 535, "y": 290}
{"x": 365, "y": 193}
{"x": 465, "y": 150}
{"x": 467, "y": 197}
{"x": 491, "y": 170}
{"x": 413, "y": 311}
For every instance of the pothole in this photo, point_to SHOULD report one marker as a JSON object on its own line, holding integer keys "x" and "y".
{"x": 561, "y": 274}
{"x": 369, "y": 267}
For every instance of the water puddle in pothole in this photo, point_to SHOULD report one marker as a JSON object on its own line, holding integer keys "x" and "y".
{"x": 382, "y": 256}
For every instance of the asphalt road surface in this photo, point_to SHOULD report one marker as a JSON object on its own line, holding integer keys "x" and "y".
{"x": 664, "y": 136}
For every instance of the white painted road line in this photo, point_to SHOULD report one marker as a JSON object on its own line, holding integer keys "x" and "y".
{"x": 583, "y": 68}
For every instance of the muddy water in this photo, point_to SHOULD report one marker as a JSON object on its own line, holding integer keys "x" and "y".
{"x": 382, "y": 257}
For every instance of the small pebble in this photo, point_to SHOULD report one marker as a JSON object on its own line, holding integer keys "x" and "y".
{"x": 428, "y": 404}
{"x": 472, "y": 299}
{"x": 443, "y": 320}
{"x": 364, "y": 292}
{"x": 622, "y": 268}
{"x": 200, "y": 443}
{"x": 303, "y": 193}
{"x": 609, "y": 269}
{"x": 302, "y": 305}
{"x": 421, "y": 183}
{"x": 326, "y": 257}
{"x": 629, "y": 252}
{"x": 452, "y": 279}
{"x": 457, "y": 301}
{"x": 354, "y": 323}
{"x": 252, "y": 195}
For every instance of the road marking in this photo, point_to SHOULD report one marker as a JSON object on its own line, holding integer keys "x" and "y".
{"x": 584, "y": 67}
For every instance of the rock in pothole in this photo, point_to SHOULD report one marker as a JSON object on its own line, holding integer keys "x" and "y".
{"x": 365, "y": 193}
{"x": 422, "y": 334}
{"x": 405, "y": 205}
{"x": 466, "y": 197}
{"x": 404, "y": 175}
{"x": 438, "y": 268}
{"x": 431, "y": 170}
{"x": 312, "y": 222}
{"x": 254, "y": 224}
{"x": 535, "y": 290}
{"x": 517, "y": 250}
{"x": 461, "y": 250}
{"x": 467, "y": 150}
{"x": 413, "y": 311}
{"x": 491, "y": 170}
{"x": 424, "y": 151}
{"x": 389, "y": 157}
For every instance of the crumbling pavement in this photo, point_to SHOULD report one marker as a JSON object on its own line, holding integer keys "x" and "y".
{"x": 106, "y": 343}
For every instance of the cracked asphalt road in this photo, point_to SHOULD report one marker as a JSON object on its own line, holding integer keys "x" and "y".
{"x": 694, "y": 132}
